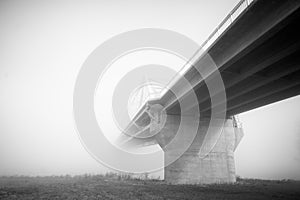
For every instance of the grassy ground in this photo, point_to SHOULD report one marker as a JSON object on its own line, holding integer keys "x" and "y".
{"x": 114, "y": 187}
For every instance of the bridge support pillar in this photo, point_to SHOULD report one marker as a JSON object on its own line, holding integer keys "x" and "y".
{"x": 217, "y": 166}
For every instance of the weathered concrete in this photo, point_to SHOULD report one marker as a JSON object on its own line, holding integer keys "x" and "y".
{"x": 216, "y": 167}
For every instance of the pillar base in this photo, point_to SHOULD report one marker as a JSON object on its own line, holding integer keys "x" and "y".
{"x": 216, "y": 167}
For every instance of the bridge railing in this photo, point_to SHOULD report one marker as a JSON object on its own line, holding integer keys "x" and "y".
{"x": 236, "y": 11}
{"x": 229, "y": 19}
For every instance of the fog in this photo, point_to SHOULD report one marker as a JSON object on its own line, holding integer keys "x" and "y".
{"x": 43, "y": 45}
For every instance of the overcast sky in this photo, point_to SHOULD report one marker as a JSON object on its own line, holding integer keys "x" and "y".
{"x": 43, "y": 45}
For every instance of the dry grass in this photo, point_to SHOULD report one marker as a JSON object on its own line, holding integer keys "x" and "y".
{"x": 112, "y": 186}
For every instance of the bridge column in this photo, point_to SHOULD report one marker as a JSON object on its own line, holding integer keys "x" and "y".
{"x": 216, "y": 167}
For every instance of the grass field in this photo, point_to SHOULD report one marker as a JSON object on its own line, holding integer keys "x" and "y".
{"x": 117, "y": 187}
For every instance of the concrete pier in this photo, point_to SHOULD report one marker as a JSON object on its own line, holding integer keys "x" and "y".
{"x": 217, "y": 166}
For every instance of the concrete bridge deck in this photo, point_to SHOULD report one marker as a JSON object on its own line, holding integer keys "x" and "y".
{"x": 258, "y": 58}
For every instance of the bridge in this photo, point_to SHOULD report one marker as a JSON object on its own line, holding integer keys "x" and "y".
{"x": 255, "y": 51}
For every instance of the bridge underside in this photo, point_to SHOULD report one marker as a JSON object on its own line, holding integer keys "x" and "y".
{"x": 258, "y": 59}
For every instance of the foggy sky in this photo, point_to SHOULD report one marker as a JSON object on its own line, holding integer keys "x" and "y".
{"x": 43, "y": 45}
